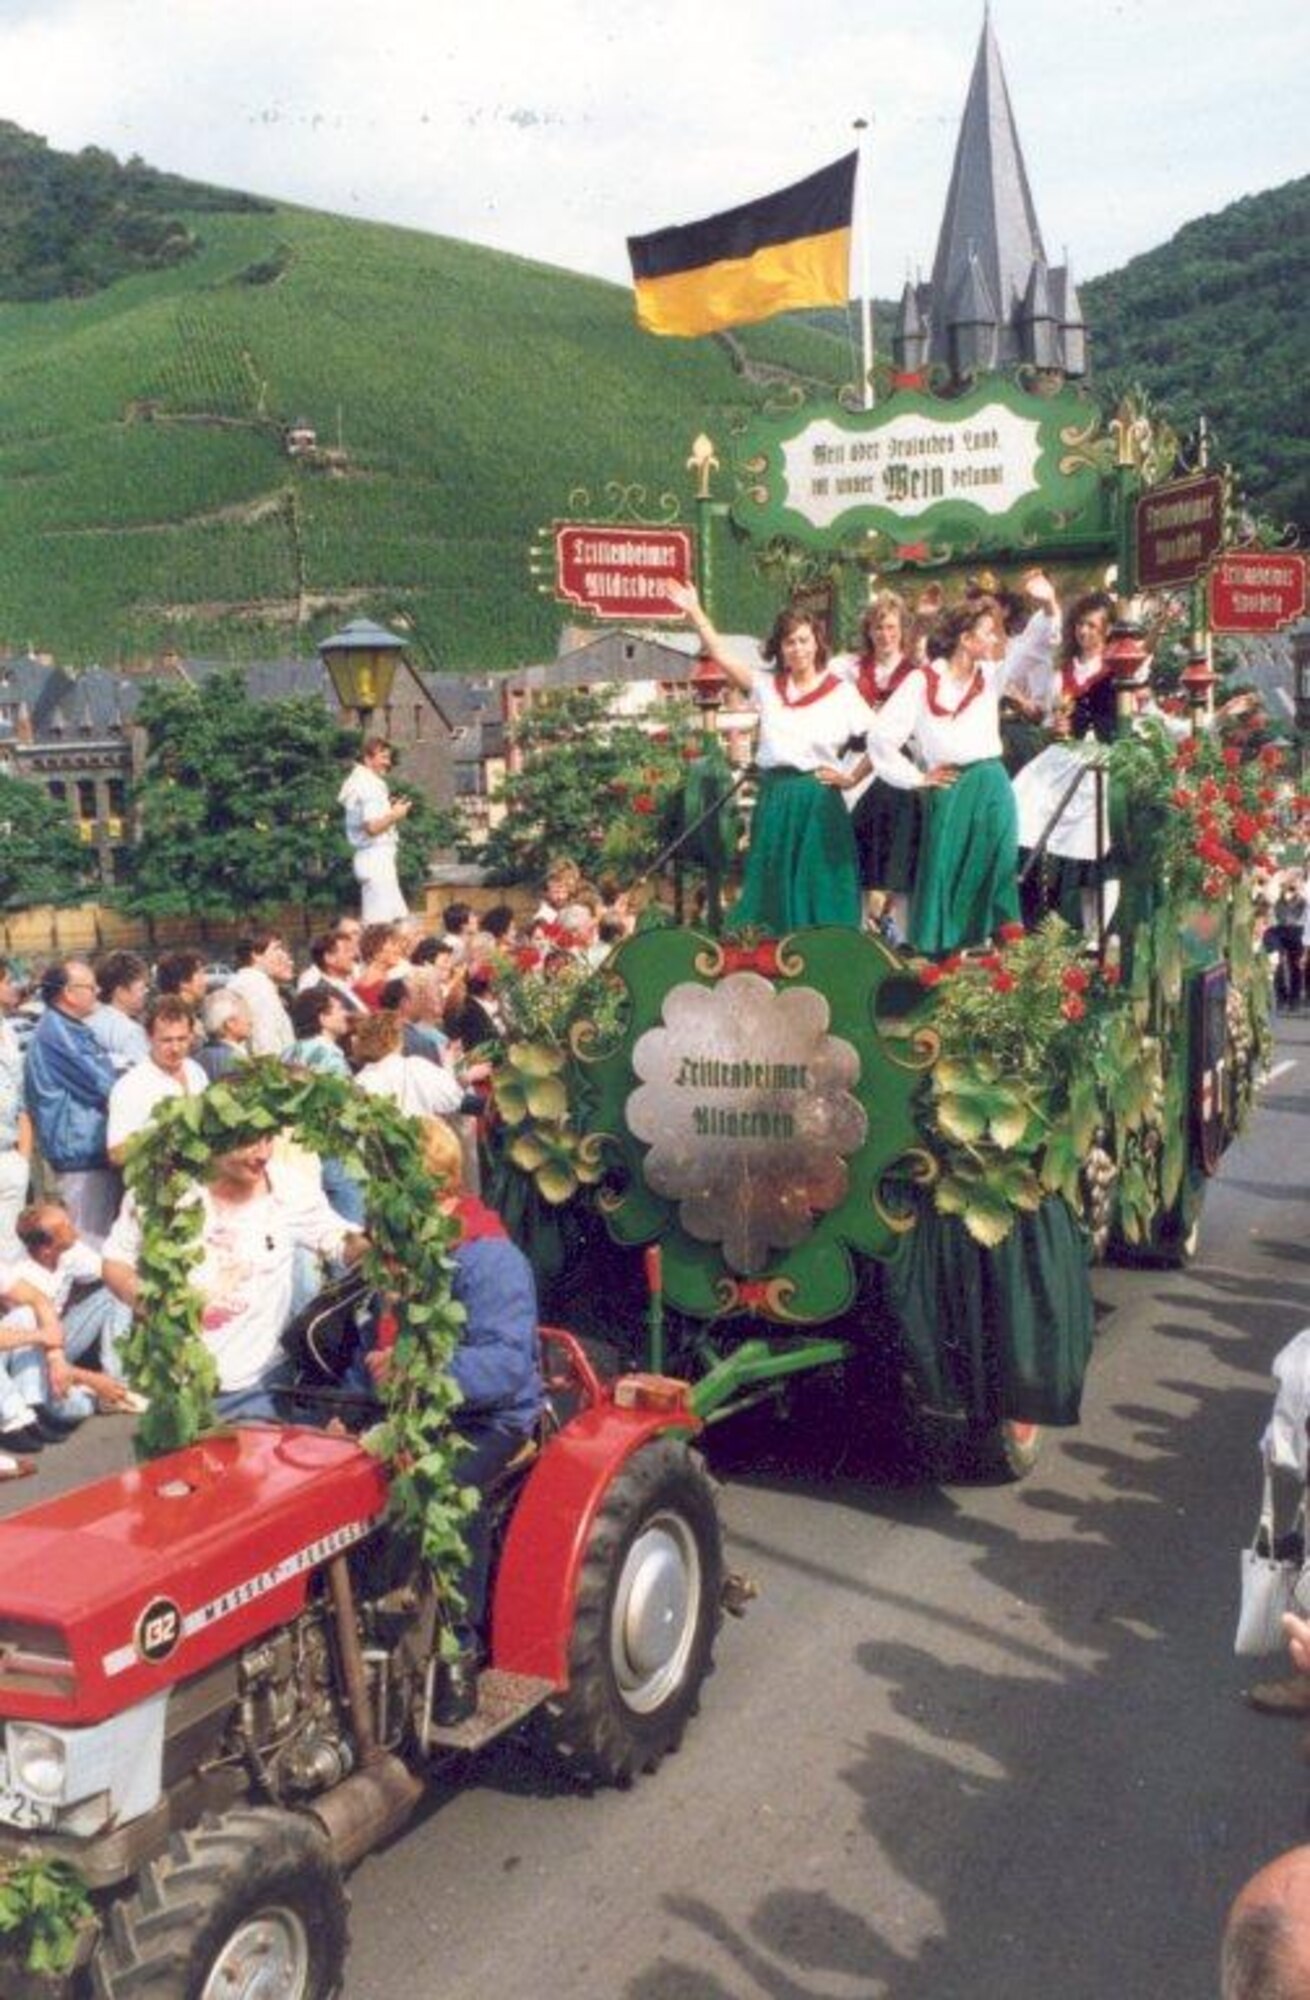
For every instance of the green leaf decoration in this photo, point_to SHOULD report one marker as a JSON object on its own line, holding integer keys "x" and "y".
{"x": 547, "y": 1099}
{"x": 962, "y": 1118}
{"x": 165, "y": 1355}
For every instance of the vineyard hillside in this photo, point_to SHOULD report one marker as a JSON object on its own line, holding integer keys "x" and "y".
{"x": 458, "y": 398}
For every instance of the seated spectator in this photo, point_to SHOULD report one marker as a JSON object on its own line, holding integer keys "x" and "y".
{"x": 460, "y": 921}
{"x": 226, "y": 1020}
{"x": 417, "y": 1038}
{"x": 334, "y": 962}
{"x": 254, "y": 1219}
{"x": 421, "y": 1088}
{"x": 167, "y": 1071}
{"x": 123, "y": 981}
{"x": 477, "y": 1019}
{"x": 263, "y": 967}
{"x": 497, "y": 1366}
{"x": 182, "y": 975}
{"x": 322, "y": 1023}
{"x": 499, "y": 924}
{"x": 56, "y": 1264}
{"x": 28, "y": 1322}
{"x": 380, "y": 953}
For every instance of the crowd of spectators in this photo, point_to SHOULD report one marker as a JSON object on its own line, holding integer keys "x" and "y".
{"x": 407, "y": 1010}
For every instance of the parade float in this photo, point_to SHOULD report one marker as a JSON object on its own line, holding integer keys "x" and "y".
{"x": 819, "y": 1151}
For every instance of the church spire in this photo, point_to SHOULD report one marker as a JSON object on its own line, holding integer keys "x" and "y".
{"x": 990, "y": 244}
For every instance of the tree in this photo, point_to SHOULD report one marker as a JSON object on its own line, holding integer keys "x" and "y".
{"x": 238, "y": 806}
{"x": 592, "y": 785}
{"x": 41, "y": 858}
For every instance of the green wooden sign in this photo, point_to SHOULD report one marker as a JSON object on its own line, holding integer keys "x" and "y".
{"x": 751, "y": 1113}
{"x": 995, "y": 471}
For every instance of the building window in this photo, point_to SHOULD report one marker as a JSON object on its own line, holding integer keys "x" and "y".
{"x": 86, "y": 799}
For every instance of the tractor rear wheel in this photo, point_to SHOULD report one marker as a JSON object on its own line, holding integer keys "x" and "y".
{"x": 247, "y": 1906}
{"x": 648, "y": 1608}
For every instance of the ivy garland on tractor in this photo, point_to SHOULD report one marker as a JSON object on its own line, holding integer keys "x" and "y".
{"x": 407, "y": 1258}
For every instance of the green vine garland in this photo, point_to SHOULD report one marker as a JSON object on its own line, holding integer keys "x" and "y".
{"x": 165, "y": 1355}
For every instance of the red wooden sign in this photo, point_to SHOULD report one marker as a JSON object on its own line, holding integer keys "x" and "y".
{"x": 1256, "y": 590}
{"x": 1178, "y": 528}
{"x": 620, "y": 572}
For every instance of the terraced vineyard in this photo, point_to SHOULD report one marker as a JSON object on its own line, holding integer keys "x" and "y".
{"x": 459, "y": 396}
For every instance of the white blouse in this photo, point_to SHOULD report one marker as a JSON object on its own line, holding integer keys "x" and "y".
{"x": 814, "y": 730}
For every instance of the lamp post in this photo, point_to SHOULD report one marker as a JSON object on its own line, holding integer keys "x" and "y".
{"x": 707, "y": 681}
{"x": 1197, "y": 681}
{"x": 361, "y": 661}
{"x": 1130, "y": 663}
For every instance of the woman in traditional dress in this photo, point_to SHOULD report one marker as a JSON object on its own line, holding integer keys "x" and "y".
{"x": 885, "y": 819}
{"x": 801, "y": 868}
{"x": 1057, "y": 794}
{"x": 965, "y": 885}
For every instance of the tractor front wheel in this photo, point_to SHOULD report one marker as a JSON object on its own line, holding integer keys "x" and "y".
{"x": 648, "y": 1608}
{"x": 246, "y": 1906}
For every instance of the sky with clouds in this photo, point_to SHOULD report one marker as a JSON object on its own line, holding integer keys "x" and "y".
{"x": 556, "y": 130}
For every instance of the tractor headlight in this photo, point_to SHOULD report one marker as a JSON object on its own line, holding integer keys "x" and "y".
{"x": 38, "y": 1762}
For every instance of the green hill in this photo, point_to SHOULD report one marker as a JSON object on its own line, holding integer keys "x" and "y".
{"x": 460, "y": 397}
{"x": 146, "y": 494}
{"x": 1215, "y": 322}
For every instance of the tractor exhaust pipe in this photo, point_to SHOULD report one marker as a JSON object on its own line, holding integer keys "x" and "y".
{"x": 367, "y": 1808}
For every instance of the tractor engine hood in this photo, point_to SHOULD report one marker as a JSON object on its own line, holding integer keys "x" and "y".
{"x": 115, "y": 1592}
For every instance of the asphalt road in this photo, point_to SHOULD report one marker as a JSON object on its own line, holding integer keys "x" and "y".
{"x": 972, "y": 1743}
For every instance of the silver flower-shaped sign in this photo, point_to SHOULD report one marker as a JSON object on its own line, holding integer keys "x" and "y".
{"x": 746, "y": 1104}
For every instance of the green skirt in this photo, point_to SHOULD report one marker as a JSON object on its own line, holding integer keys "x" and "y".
{"x": 801, "y": 867}
{"x": 966, "y": 885}
{"x": 995, "y": 1333}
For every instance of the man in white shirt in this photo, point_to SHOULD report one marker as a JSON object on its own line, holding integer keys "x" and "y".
{"x": 168, "y": 1071}
{"x": 264, "y": 964}
{"x": 372, "y": 819}
{"x": 256, "y": 1217}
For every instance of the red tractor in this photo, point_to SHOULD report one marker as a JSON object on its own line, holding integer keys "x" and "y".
{"x": 216, "y": 1671}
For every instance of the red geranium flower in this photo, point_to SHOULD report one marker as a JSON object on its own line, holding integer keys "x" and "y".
{"x": 643, "y": 803}
{"x": 1233, "y": 759}
{"x": 931, "y": 975}
{"x": 1186, "y": 752}
{"x": 1003, "y": 982}
{"x": 1111, "y": 974}
{"x": 1010, "y": 933}
{"x": 1184, "y": 799}
{"x": 1073, "y": 1008}
{"x": 990, "y": 962}
{"x": 1075, "y": 980}
{"x": 1271, "y": 757}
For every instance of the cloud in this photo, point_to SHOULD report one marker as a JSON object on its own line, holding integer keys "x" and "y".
{"x": 557, "y": 132}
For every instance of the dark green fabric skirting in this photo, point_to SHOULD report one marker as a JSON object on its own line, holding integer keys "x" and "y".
{"x": 801, "y": 866}
{"x": 995, "y": 1333}
{"x": 966, "y": 885}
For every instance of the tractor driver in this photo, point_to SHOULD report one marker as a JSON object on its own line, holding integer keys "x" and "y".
{"x": 497, "y": 1365}
{"x": 257, "y": 1215}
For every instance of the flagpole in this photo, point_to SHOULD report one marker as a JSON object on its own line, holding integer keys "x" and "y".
{"x": 866, "y": 298}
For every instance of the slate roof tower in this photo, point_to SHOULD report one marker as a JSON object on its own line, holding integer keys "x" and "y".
{"x": 994, "y": 301}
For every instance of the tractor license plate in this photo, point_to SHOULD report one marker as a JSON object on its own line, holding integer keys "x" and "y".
{"x": 16, "y": 1809}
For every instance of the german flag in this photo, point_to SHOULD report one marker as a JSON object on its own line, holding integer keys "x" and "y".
{"x": 788, "y": 250}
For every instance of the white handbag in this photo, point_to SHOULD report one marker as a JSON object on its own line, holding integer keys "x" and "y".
{"x": 1271, "y": 1585}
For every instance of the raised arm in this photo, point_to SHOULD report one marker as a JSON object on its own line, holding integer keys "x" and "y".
{"x": 738, "y": 671}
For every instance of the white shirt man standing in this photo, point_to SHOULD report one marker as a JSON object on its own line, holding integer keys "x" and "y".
{"x": 372, "y": 819}
{"x": 167, "y": 1071}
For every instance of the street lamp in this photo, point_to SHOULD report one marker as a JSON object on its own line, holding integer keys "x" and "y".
{"x": 1197, "y": 680}
{"x": 1129, "y": 661}
{"x": 361, "y": 660}
{"x": 707, "y": 681}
